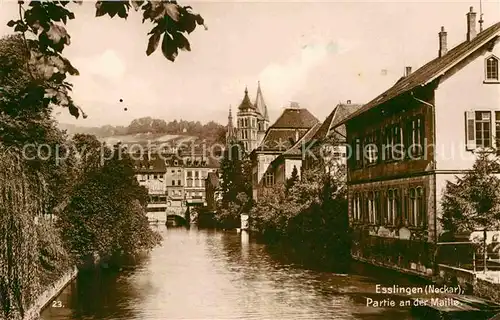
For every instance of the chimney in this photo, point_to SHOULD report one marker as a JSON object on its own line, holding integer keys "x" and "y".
{"x": 443, "y": 42}
{"x": 407, "y": 71}
{"x": 471, "y": 24}
{"x": 294, "y": 105}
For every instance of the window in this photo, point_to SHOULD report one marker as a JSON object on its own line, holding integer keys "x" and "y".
{"x": 269, "y": 179}
{"x": 497, "y": 129}
{"x": 417, "y": 215}
{"x": 372, "y": 209}
{"x": 356, "y": 207}
{"x": 173, "y": 182}
{"x": 357, "y": 152}
{"x": 371, "y": 149}
{"x": 416, "y": 138}
{"x": 397, "y": 143}
{"x": 492, "y": 69}
{"x": 178, "y": 182}
{"x": 189, "y": 182}
{"x": 176, "y": 163}
{"x": 483, "y": 129}
{"x": 392, "y": 215}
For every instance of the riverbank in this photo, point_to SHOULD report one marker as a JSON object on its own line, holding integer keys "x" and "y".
{"x": 48, "y": 296}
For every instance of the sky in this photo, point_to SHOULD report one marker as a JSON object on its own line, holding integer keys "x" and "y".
{"x": 317, "y": 53}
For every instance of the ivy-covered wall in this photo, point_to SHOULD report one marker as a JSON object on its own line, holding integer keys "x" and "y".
{"x": 414, "y": 256}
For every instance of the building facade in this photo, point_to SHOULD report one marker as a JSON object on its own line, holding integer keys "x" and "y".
{"x": 410, "y": 140}
{"x": 288, "y": 130}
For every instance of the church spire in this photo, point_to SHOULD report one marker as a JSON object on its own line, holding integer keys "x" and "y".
{"x": 260, "y": 104}
{"x": 230, "y": 134}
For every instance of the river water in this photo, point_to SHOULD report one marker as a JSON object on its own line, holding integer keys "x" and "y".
{"x": 202, "y": 274}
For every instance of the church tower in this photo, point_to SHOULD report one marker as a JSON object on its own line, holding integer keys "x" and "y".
{"x": 247, "y": 123}
{"x": 252, "y": 121}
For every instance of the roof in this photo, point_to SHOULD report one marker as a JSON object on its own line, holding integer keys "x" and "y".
{"x": 432, "y": 69}
{"x": 296, "y": 150}
{"x": 295, "y": 118}
{"x": 214, "y": 179}
{"x": 338, "y": 114}
{"x": 246, "y": 103}
{"x": 280, "y": 140}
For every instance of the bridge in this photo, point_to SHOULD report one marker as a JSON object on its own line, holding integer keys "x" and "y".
{"x": 179, "y": 216}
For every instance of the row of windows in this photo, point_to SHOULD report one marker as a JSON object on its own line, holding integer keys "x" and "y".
{"x": 394, "y": 142}
{"x": 174, "y": 193}
{"x": 247, "y": 123}
{"x": 247, "y": 134}
{"x": 157, "y": 199}
{"x": 195, "y": 183}
{"x": 144, "y": 177}
{"x": 391, "y": 207}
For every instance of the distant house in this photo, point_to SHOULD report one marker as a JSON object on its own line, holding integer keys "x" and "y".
{"x": 411, "y": 139}
{"x": 286, "y": 132}
{"x": 150, "y": 172}
{"x": 328, "y": 144}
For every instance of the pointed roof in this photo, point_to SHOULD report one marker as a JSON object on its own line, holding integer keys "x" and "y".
{"x": 245, "y": 103}
{"x": 260, "y": 104}
{"x": 331, "y": 123}
{"x": 433, "y": 69}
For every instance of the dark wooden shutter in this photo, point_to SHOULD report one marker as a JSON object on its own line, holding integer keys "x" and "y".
{"x": 470, "y": 131}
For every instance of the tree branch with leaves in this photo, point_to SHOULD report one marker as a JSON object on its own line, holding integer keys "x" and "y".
{"x": 42, "y": 26}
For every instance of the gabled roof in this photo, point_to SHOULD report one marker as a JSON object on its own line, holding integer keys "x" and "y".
{"x": 338, "y": 114}
{"x": 432, "y": 69}
{"x": 246, "y": 103}
{"x": 295, "y": 118}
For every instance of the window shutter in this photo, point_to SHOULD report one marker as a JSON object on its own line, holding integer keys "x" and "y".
{"x": 470, "y": 131}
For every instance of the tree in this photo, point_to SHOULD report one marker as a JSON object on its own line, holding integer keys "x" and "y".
{"x": 44, "y": 22}
{"x": 106, "y": 216}
{"x": 290, "y": 182}
{"x": 236, "y": 185}
{"x": 312, "y": 212}
{"x": 472, "y": 202}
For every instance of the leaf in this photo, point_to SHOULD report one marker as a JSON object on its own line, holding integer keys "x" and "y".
{"x": 11, "y": 23}
{"x": 172, "y": 11}
{"x": 100, "y": 10}
{"x": 73, "y": 110}
{"x": 181, "y": 42}
{"x": 188, "y": 23}
{"x": 122, "y": 12}
{"x": 168, "y": 47}
{"x": 154, "y": 40}
{"x": 137, "y": 4}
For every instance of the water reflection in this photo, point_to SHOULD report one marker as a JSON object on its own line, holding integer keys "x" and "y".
{"x": 204, "y": 274}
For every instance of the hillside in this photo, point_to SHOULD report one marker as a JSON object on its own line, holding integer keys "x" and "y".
{"x": 154, "y": 130}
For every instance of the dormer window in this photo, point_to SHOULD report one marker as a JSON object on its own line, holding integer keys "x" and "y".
{"x": 492, "y": 69}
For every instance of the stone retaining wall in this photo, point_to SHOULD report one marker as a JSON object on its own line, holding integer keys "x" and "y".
{"x": 49, "y": 294}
